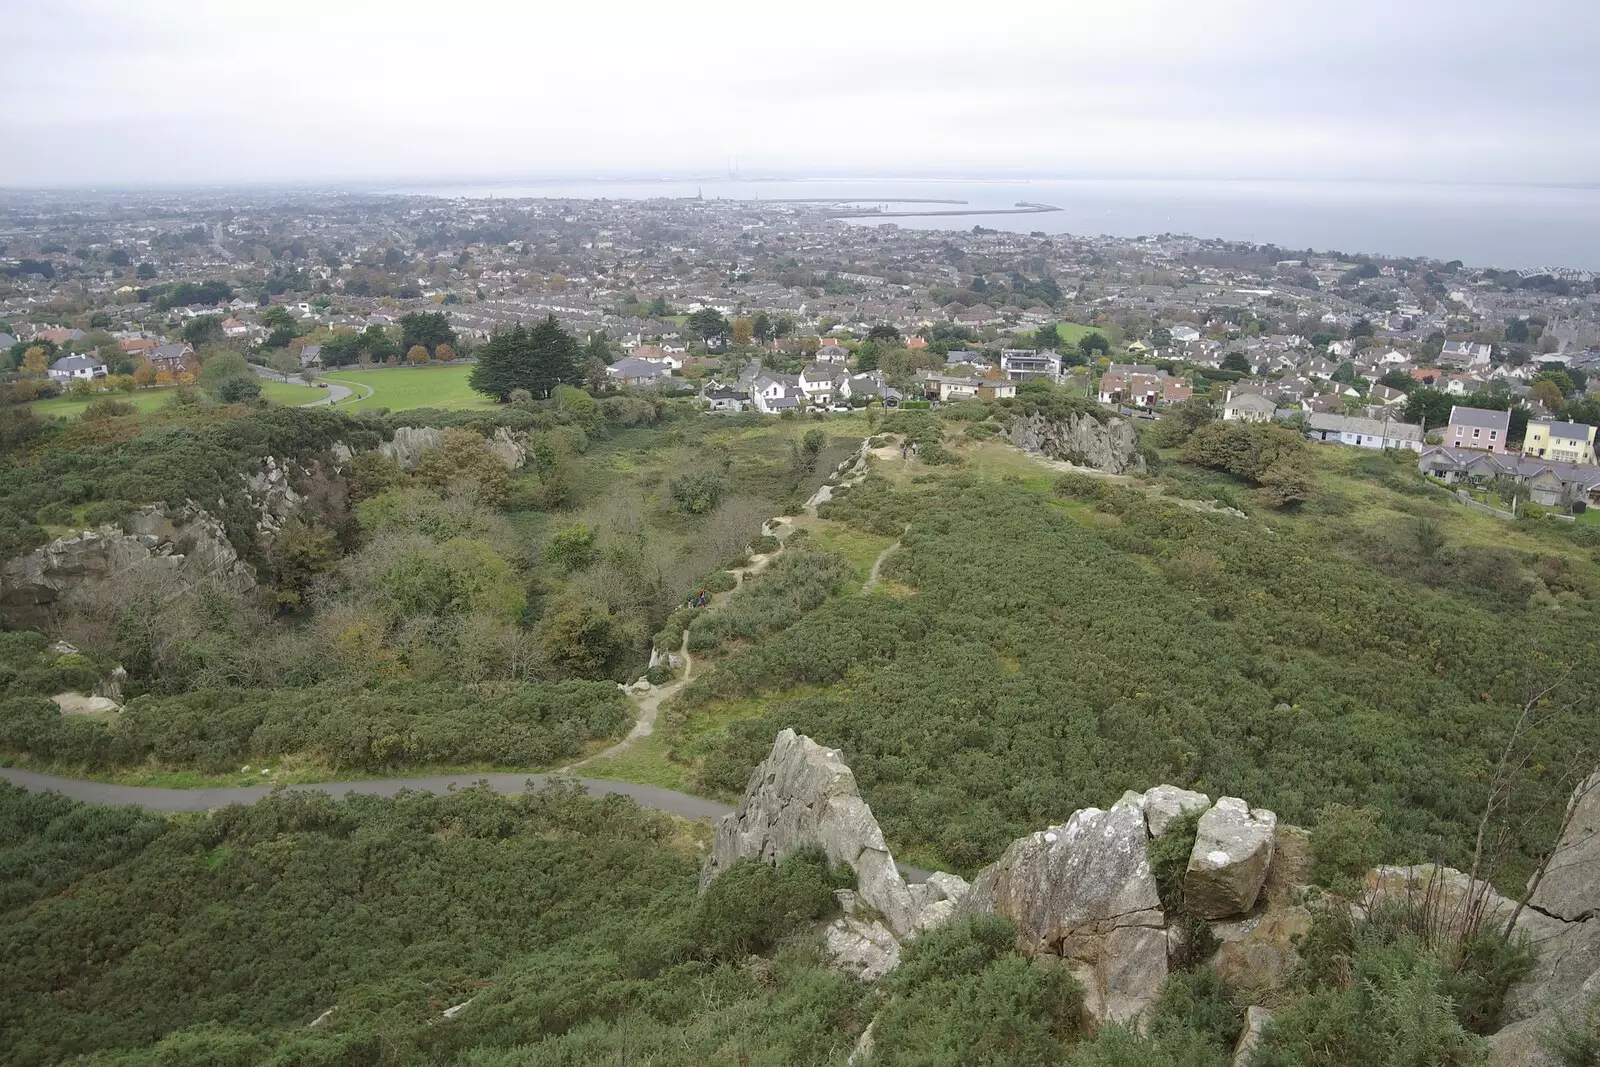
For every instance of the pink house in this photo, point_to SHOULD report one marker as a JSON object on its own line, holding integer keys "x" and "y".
{"x": 1478, "y": 428}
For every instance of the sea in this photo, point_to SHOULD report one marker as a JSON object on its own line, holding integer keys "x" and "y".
{"x": 1483, "y": 225}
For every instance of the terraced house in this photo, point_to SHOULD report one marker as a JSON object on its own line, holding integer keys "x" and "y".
{"x": 1565, "y": 442}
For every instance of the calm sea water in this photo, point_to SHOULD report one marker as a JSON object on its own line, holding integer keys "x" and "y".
{"x": 1481, "y": 225}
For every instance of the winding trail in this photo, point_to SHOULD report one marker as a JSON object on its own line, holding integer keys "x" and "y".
{"x": 877, "y": 564}
{"x": 649, "y": 702}
{"x": 192, "y": 800}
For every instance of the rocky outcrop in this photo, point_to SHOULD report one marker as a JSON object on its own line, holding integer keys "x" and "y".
{"x": 1255, "y": 1021}
{"x": 1111, "y": 446}
{"x": 273, "y": 492}
{"x": 803, "y": 795}
{"x": 186, "y": 543}
{"x": 1165, "y": 803}
{"x": 509, "y": 448}
{"x": 1232, "y": 853}
{"x": 862, "y": 948}
{"x": 1570, "y": 888}
{"x": 1084, "y": 891}
{"x": 406, "y": 447}
{"x": 1259, "y": 953}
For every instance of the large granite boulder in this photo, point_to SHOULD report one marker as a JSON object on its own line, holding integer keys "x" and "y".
{"x": 1255, "y": 1021}
{"x": 1232, "y": 853}
{"x": 1084, "y": 891}
{"x": 407, "y": 444}
{"x": 1163, "y": 804}
{"x": 862, "y": 948}
{"x": 273, "y": 492}
{"x": 1570, "y": 888}
{"x": 1568, "y": 952}
{"x": 803, "y": 794}
{"x": 509, "y": 448}
{"x": 1260, "y": 953}
{"x": 1111, "y": 446}
{"x": 186, "y": 543}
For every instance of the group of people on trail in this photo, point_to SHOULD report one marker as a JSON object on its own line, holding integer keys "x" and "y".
{"x": 910, "y": 447}
{"x": 699, "y": 600}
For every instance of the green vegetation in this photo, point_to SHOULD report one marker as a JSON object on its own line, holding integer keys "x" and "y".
{"x": 1128, "y": 642}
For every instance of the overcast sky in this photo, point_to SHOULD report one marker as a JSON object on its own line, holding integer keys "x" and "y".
{"x": 205, "y": 91}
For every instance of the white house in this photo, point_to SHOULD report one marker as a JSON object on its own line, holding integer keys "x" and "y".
{"x": 631, "y": 371}
{"x": 772, "y": 393}
{"x": 833, "y": 354}
{"x": 68, "y": 368}
{"x": 822, "y": 383}
{"x": 1184, "y": 334}
{"x": 1247, "y": 407}
{"x": 1365, "y": 433}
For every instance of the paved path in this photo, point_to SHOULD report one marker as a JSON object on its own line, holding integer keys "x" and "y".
{"x": 332, "y": 394}
{"x": 176, "y": 800}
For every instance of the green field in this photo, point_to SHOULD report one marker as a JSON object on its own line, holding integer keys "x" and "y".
{"x": 68, "y": 405}
{"x": 403, "y": 388}
{"x": 285, "y": 393}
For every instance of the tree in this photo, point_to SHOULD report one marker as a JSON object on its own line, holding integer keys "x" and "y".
{"x": 34, "y": 361}
{"x": 1094, "y": 342}
{"x": 761, "y": 327}
{"x": 238, "y": 389}
{"x": 1558, "y": 378}
{"x": 1161, "y": 337}
{"x": 1346, "y": 373}
{"x": 275, "y": 317}
{"x": 1547, "y": 393}
{"x": 783, "y": 326}
{"x": 537, "y": 360}
{"x": 598, "y": 349}
{"x": 416, "y": 354}
{"x": 1361, "y": 328}
{"x": 868, "y": 357}
{"x": 204, "y": 330}
{"x": 712, "y": 327}
{"x": 426, "y": 328}
{"x": 146, "y": 271}
{"x": 659, "y": 308}
{"x": 444, "y": 353}
{"x": 884, "y": 334}
{"x": 743, "y": 332}
{"x": 1237, "y": 362}
{"x": 1517, "y": 332}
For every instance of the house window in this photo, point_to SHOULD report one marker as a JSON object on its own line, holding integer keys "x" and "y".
{"x": 1475, "y": 434}
{"x": 1493, "y": 434}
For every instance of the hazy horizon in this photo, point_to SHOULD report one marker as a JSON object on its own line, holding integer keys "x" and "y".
{"x": 180, "y": 93}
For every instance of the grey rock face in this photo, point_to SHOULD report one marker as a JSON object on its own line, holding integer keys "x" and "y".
{"x": 1255, "y": 1021}
{"x": 406, "y": 447}
{"x": 1164, "y": 803}
{"x": 275, "y": 496}
{"x": 1084, "y": 891}
{"x": 1570, "y": 888}
{"x": 803, "y": 794}
{"x": 1111, "y": 446}
{"x": 1232, "y": 853}
{"x": 509, "y": 448}
{"x": 188, "y": 543}
{"x": 861, "y": 948}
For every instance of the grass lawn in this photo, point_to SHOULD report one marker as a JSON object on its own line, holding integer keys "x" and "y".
{"x": 290, "y": 394}
{"x": 69, "y": 406}
{"x": 645, "y": 762}
{"x": 860, "y": 549}
{"x": 403, "y": 388}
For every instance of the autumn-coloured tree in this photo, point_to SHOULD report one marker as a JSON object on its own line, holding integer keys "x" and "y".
{"x": 144, "y": 374}
{"x": 33, "y": 360}
{"x": 743, "y": 331}
{"x": 1548, "y": 393}
{"x": 416, "y": 354}
{"x": 444, "y": 353}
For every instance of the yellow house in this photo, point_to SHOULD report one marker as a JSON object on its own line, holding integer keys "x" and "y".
{"x": 1564, "y": 442}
